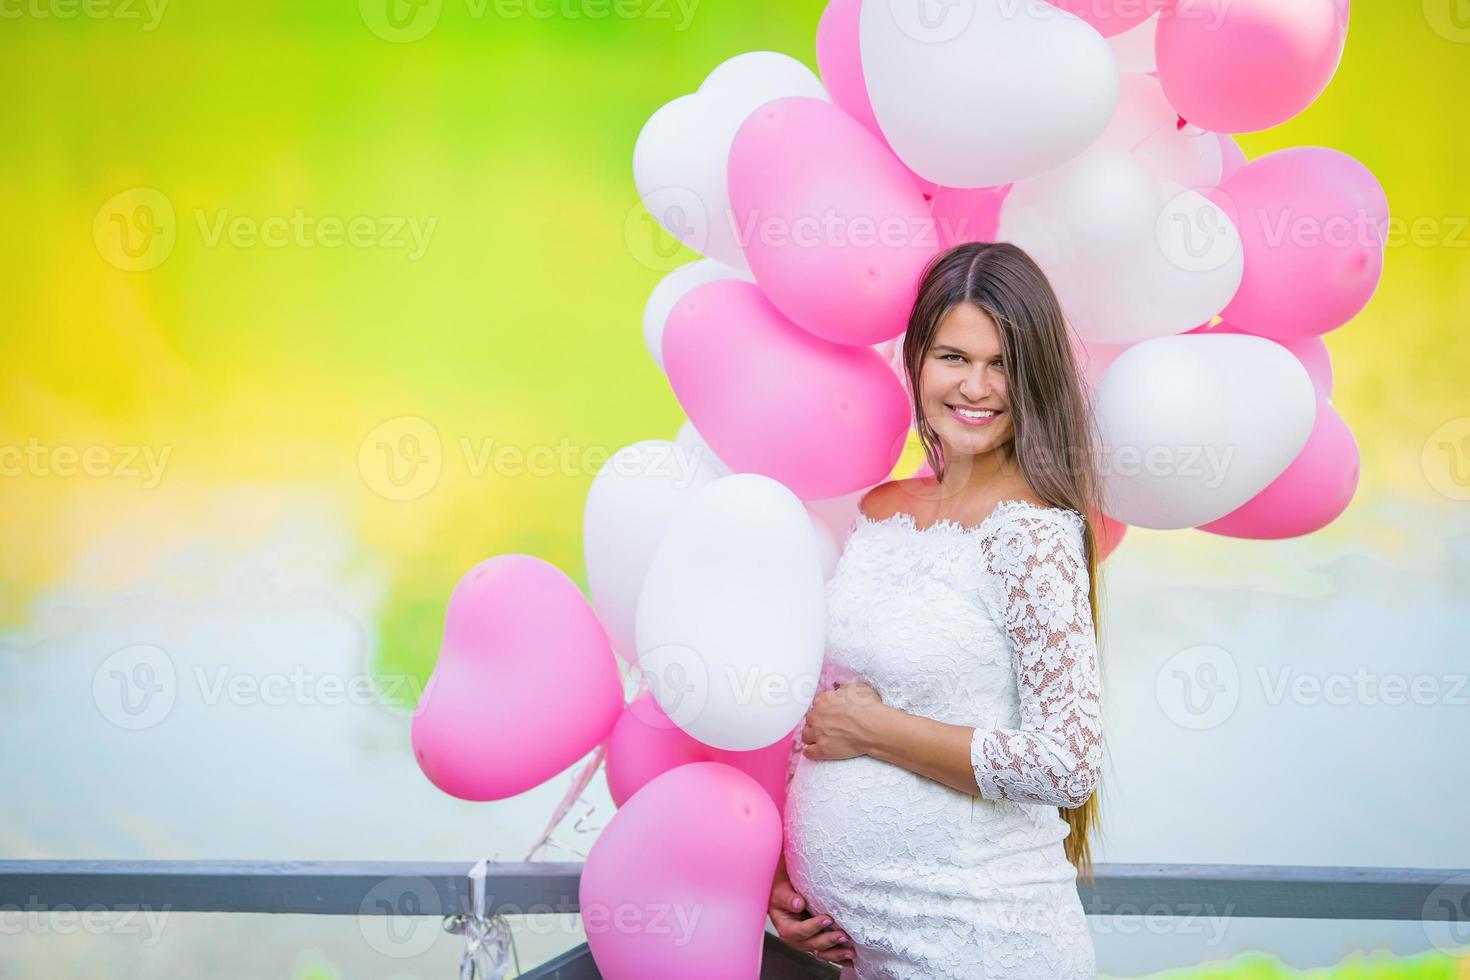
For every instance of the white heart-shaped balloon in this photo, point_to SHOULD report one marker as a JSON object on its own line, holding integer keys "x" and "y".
{"x": 671, "y": 288}
{"x": 680, "y": 158}
{"x": 632, "y": 500}
{"x": 732, "y": 617}
{"x": 1192, "y": 427}
{"x": 1130, "y": 255}
{"x": 985, "y": 92}
{"x": 1146, "y": 125}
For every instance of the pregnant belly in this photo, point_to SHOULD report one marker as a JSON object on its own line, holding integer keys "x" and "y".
{"x": 857, "y": 824}
{"x": 861, "y": 827}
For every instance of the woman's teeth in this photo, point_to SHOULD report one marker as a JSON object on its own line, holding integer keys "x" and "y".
{"x": 971, "y": 417}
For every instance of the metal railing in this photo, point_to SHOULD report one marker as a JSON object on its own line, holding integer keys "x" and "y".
{"x": 440, "y": 889}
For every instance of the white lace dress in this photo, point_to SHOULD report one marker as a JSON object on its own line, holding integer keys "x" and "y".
{"x": 987, "y": 627}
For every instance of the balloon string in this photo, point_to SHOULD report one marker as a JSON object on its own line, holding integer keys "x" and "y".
{"x": 573, "y": 793}
{"x": 579, "y": 784}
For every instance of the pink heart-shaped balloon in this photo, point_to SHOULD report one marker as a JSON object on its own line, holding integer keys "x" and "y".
{"x": 645, "y": 743}
{"x": 525, "y": 685}
{"x": 678, "y": 882}
{"x": 1313, "y": 225}
{"x": 825, "y": 419}
{"x": 833, "y": 227}
{"x": 1248, "y": 65}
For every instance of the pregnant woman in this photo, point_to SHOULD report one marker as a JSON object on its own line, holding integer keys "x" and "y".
{"x": 943, "y": 783}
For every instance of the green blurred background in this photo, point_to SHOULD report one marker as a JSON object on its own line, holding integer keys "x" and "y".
{"x": 272, "y": 374}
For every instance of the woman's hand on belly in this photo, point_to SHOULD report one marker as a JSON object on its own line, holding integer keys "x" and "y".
{"x": 842, "y": 724}
{"x": 800, "y": 929}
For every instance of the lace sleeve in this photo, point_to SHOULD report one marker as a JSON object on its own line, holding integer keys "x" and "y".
{"x": 1039, "y": 574}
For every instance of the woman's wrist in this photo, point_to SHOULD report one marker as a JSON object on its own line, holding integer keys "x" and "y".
{"x": 879, "y": 725}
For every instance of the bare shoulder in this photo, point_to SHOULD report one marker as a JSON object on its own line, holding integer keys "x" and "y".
{"x": 917, "y": 494}
{"x": 887, "y": 499}
{"x": 877, "y": 504}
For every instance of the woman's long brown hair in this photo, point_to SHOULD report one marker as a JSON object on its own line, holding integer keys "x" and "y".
{"x": 1049, "y": 407}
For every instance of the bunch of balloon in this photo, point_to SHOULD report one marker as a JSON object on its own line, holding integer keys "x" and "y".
{"x": 1197, "y": 285}
{"x": 1226, "y": 426}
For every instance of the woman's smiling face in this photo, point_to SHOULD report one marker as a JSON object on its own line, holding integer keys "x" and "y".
{"x": 963, "y": 384}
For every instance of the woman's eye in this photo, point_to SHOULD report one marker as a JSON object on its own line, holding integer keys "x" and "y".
{"x": 948, "y": 356}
